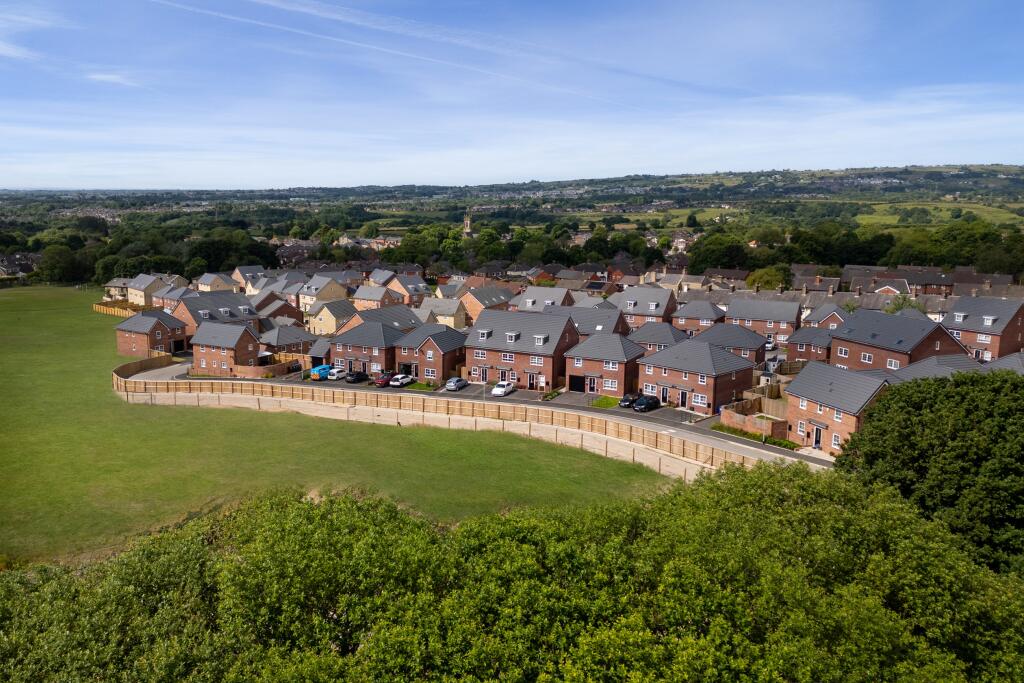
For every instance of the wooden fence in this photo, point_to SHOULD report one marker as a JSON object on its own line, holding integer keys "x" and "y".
{"x": 120, "y": 311}
{"x": 606, "y": 426}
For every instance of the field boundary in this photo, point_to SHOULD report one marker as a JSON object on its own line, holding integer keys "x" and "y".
{"x": 664, "y": 452}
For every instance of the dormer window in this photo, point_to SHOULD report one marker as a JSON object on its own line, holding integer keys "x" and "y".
{"x": 225, "y": 311}
{"x": 539, "y": 339}
{"x": 959, "y": 317}
{"x": 204, "y": 314}
{"x": 531, "y": 302}
{"x": 653, "y": 305}
{"x": 549, "y": 302}
{"x": 485, "y": 334}
{"x": 630, "y": 305}
{"x": 988, "y": 320}
{"x": 244, "y": 309}
{"x": 511, "y": 337}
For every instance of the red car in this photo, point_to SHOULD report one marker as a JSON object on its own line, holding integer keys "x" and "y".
{"x": 384, "y": 379}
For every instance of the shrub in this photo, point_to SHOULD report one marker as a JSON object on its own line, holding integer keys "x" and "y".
{"x": 770, "y": 440}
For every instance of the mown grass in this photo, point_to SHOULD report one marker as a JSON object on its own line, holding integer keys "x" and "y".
{"x": 81, "y": 471}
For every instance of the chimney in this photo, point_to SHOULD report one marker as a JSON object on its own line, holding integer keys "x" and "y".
{"x": 781, "y": 288}
{"x": 817, "y": 279}
{"x": 988, "y": 284}
{"x": 732, "y": 288}
{"x": 831, "y": 290}
{"x": 803, "y": 289}
{"x": 945, "y": 294}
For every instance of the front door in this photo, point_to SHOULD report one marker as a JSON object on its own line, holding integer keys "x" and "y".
{"x": 817, "y": 437}
{"x": 483, "y": 375}
{"x": 502, "y": 375}
{"x": 362, "y": 366}
{"x": 592, "y": 385}
{"x": 682, "y": 399}
{"x": 664, "y": 394}
{"x": 531, "y": 381}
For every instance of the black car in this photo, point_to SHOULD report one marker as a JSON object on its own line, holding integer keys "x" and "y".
{"x": 628, "y": 400}
{"x": 646, "y": 403}
{"x": 356, "y": 377}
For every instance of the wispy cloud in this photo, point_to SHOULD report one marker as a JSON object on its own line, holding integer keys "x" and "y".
{"x": 114, "y": 78}
{"x": 17, "y": 19}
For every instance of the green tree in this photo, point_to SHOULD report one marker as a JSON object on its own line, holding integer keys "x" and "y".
{"x": 769, "y": 277}
{"x": 195, "y": 267}
{"x": 952, "y": 447}
{"x": 902, "y": 301}
{"x": 58, "y": 264}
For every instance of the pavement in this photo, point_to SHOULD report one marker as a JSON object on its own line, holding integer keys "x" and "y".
{"x": 666, "y": 420}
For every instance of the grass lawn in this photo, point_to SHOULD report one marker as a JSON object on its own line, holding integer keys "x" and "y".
{"x": 605, "y": 402}
{"x": 940, "y": 213}
{"x": 81, "y": 471}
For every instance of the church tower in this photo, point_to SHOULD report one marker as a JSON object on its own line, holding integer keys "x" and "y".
{"x": 467, "y": 224}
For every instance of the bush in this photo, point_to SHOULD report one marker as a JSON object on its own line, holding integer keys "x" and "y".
{"x": 769, "y": 574}
{"x": 551, "y": 395}
{"x": 770, "y": 440}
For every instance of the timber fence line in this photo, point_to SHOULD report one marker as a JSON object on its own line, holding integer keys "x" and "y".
{"x": 702, "y": 455}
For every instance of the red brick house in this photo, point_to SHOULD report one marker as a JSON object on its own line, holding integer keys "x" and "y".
{"x": 411, "y": 289}
{"x": 150, "y": 331}
{"x": 696, "y": 316}
{"x": 218, "y": 348}
{"x": 697, "y": 376}
{"x": 368, "y": 348}
{"x": 773, "y": 320}
{"x": 401, "y": 318}
{"x": 525, "y": 348}
{"x": 871, "y": 340}
{"x": 825, "y": 404}
{"x": 655, "y": 337}
{"x": 431, "y": 353}
{"x": 603, "y": 364}
{"x": 828, "y": 316}
{"x": 989, "y": 327}
{"x": 218, "y": 307}
{"x": 483, "y": 299}
{"x": 286, "y": 339}
{"x": 371, "y": 296}
{"x": 809, "y": 343}
{"x": 538, "y": 298}
{"x": 642, "y": 305}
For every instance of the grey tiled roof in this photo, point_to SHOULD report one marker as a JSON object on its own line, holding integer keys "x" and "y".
{"x": 440, "y": 306}
{"x": 816, "y": 336}
{"x": 446, "y": 338}
{"x": 823, "y": 311}
{"x": 606, "y": 346}
{"x": 381, "y": 276}
{"x": 370, "y": 334}
{"x": 144, "y": 321}
{"x": 414, "y": 284}
{"x": 281, "y": 336}
{"x": 642, "y": 298}
{"x": 541, "y": 296}
{"x": 938, "y": 366}
{"x": 731, "y": 336}
{"x": 753, "y": 309}
{"x": 490, "y": 296}
{"x": 835, "y": 387}
{"x": 449, "y": 290}
{"x": 658, "y": 333}
{"x": 219, "y": 334}
{"x": 974, "y": 310}
{"x": 222, "y": 307}
{"x": 342, "y": 308}
{"x": 524, "y": 326}
{"x": 1014, "y": 362}
{"x": 588, "y": 320}
{"x": 399, "y": 317}
{"x": 141, "y": 281}
{"x": 893, "y": 332}
{"x": 699, "y": 310}
{"x": 372, "y": 293}
{"x": 697, "y": 356}
{"x": 320, "y": 348}
{"x": 210, "y": 278}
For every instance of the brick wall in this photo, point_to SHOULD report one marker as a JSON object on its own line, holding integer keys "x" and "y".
{"x": 624, "y": 376}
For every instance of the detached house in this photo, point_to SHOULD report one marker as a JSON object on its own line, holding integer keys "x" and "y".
{"x": 641, "y": 305}
{"x": 220, "y": 307}
{"x": 431, "y": 353}
{"x": 825, "y": 404}
{"x": 320, "y": 288}
{"x": 827, "y": 316}
{"x": 476, "y": 301}
{"x": 140, "y": 289}
{"x": 370, "y": 296}
{"x": 116, "y": 289}
{"x": 655, "y": 337}
{"x": 411, "y": 289}
{"x": 697, "y": 316}
{"x": 273, "y": 305}
{"x": 525, "y": 348}
{"x": 697, "y": 376}
{"x": 773, "y": 320}
{"x": 218, "y": 348}
{"x": 742, "y": 341}
{"x": 603, "y": 364}
{"x": 871, "y": 340}
{"x": 150, "y": 331}
{"x": 989, "y": 327}
{"x": 327, "y": 318}
{"x": 216, "y": 282}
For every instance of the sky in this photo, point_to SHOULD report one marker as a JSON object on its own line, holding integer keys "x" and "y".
{"x": 238, "y": 94}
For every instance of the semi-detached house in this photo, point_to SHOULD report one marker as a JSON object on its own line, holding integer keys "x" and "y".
{"x": 603, "y": 364}
{"x": 871, "y": 340}
{"x": 697, "y": 376}
{"x": 773, "y": 320}
{"x": 742, "y": 341}
{"x": 989, "y": 327}
{"x": 369, "y": 348}
{"x": 641, "y": 305}
{"x": 696, "y": 316}
{"x": 431, "y": 353}
{"x": 527, "y": 349}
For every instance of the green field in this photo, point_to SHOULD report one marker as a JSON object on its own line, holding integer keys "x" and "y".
{"x": 81, "y": 471}
{"x": 940, "y": 213}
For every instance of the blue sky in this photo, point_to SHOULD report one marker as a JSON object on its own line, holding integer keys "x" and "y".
{"x": 277, "y": 93}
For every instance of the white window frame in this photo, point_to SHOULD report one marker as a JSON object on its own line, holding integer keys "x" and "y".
{"x": 892, "y": 364}
{"x": 982, "y": 338}
{"x": 702, "y": 379}
{"x": 648, "y": 369}
{"x": 611, "y": 384}
{"x": 699, "y": 400}
{"x": 836, "y": 443}
{"x": 803, "y": 404}
{"x": 536, "y": 360}
{"x": 508, "y": 358}
{"x": 801, "y": 428}
{"x": 479, "y": 354}
{"x": 611, "y": 365}
{"x": 838, "y": 417}
{"x": 842, "y": 352}
{"x": 577, "y": 362}
{"x": 429, "y": 373}
{"x": 866, "y": 357}
{"x": 650, "y": 389}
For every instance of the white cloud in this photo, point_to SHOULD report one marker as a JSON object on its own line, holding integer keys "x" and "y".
{"x": 17, "y": 19}
{"x": 115, "y": 78}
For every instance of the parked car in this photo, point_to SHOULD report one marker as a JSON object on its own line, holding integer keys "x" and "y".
{"x": 628, "y": 400}
{"x": 336, "y": 373}
{"x": 384, "y": 379}
{"x": 319, "y": 372}
{"x": 646, "y": 404}
{"x": 455, "y": 384}
{"x": 503, "y": 388}
{"x": 402, "y": 380}
{"x": 356, "y": 377}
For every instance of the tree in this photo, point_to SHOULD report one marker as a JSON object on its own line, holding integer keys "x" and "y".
{"x": 691, "y": 220}
{"x": 58, "y": 264}
{"x": 902, "y": 301}
{"x": 769, "y": 277}
{"x": 196, "y": 267}
{"x": 369, "y": 231}
{"x": 105, "y": 268}
{"x": 953, "y": 448}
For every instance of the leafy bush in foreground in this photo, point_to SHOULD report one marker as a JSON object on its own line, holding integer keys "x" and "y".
{"x": 771, "y": 574}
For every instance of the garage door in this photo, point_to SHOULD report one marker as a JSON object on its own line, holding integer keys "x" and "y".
{"x": 576, "y": 383}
